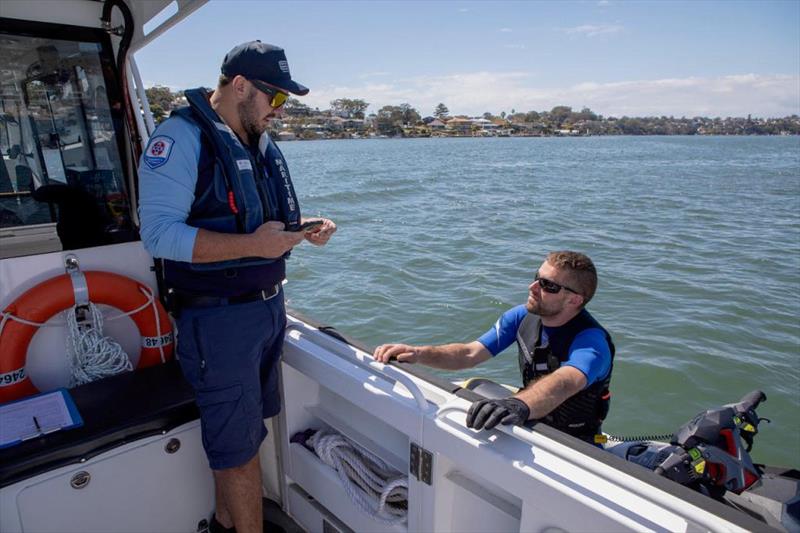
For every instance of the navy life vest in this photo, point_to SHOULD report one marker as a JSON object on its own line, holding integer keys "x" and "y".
{"x": 237, "y": 191}
{"x": 582, "y": 414}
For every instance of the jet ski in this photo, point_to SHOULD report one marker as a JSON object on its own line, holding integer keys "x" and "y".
{"x": 711, "y": 454}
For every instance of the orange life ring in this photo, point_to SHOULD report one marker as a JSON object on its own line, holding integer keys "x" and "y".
{"x": 46, "y": 299}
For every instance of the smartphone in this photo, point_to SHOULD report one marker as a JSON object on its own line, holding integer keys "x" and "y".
{"x": 308, "y": 226}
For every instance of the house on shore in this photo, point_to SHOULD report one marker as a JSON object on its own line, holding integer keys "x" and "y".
{"x": 460, "y": 126}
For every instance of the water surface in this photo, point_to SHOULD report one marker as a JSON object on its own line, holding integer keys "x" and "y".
{"x": 696, "y": 240}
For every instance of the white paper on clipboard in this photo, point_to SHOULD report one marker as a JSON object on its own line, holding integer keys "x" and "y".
{"x": 38, "y": 415}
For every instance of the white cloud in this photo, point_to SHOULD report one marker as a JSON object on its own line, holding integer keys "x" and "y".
{"x": 477, "y": 92}
{"x": 514, "y": 46}
{"x": 603, "y": 3}
{"x": 506, "y": 30}
{"x": 593, "y": 30}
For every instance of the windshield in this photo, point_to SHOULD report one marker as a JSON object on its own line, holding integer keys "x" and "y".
{"x": 61, "y": 164}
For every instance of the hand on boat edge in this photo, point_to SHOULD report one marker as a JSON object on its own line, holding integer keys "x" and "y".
{"x": 405, "y": 353}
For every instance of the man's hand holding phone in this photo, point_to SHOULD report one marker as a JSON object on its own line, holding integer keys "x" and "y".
{"x": 309, "y": 226}
{"x": 317, "y": 231}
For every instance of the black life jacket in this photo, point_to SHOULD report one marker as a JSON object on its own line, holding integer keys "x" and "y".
{"x": 582, "y": 414}
{"x": 231, "y": 196}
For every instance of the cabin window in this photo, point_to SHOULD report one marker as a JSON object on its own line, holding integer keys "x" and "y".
{"x": 62, "y": 183}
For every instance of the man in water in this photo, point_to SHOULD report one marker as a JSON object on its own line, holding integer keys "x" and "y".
{"x": 565, "y": 355}
{"x": 218, "y": 205}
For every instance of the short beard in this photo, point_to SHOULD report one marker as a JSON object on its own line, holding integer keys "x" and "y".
{"x": 537, "y": 309}
{"x": 250, "y": 121}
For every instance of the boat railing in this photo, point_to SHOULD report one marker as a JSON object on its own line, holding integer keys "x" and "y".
{"x": 363, "y": 360}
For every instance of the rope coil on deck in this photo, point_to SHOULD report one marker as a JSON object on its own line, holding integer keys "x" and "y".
{"x": 373, "y": 486}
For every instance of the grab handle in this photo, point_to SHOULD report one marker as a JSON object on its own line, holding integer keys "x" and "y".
{"x": 386, "y": 372}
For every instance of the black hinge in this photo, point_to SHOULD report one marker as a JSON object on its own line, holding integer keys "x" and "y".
{"x": 421, "y": 463}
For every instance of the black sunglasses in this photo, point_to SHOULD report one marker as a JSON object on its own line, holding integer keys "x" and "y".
{"x": 551, "y": 286}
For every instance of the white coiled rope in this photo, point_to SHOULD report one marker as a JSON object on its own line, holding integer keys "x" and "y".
{"x": 376, "y": 489}
{"x": 92, "y": 356}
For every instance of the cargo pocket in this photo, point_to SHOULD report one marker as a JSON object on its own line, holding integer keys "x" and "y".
{"x": 225, "y": 422}
{"x": 189, "y": 355}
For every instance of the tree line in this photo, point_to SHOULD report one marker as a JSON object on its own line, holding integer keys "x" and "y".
{"x": 393, "y": 120}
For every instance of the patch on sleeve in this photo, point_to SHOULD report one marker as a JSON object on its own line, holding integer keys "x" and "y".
{"x": 158, "y": 151}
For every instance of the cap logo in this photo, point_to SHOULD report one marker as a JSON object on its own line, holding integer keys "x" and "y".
{"x": 284, "y": 65}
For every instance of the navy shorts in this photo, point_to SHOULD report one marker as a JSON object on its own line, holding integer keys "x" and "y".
{"x": 229, "y": 354}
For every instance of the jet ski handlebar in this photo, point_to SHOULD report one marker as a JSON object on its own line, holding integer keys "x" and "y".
{"x": 750, "y": 401}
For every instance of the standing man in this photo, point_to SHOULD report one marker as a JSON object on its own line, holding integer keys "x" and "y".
{"x": 218, "y": 206}
{"x": 565, "y": 355}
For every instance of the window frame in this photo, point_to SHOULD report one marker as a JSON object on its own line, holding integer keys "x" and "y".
{"x": 115, "y": 97}
{"x": 113, "y": 91}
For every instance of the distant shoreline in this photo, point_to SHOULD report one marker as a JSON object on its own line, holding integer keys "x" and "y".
{"x": 347, "y": 119}
{"x": 328, "y": 125}
{"x": 384, "y": 137}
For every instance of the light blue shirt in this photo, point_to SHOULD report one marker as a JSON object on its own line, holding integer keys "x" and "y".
{"x": 167, "y": 180}
{"x": 589, "y": 351}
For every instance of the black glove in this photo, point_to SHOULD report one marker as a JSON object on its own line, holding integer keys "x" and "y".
{"x": 488, "y": 413}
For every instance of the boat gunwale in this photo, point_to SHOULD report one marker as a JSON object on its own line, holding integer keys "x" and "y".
{"x": 736, "y": 516}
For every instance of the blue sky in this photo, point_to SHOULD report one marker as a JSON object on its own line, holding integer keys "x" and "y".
{"x": 635, "y": 58}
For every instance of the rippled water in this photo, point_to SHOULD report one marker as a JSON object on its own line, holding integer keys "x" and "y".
{"x": 696, "y": 240}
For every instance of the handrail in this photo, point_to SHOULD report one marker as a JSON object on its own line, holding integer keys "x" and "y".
{"x": 672, "y": 503}
{"x": 143, "y": 102}
{"x": 386, "y": 372}
{"x": 140, "y": 111}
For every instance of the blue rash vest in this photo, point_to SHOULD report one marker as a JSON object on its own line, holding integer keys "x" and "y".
{"x": 581, "y": 343}
{"x": 589, "y": 352}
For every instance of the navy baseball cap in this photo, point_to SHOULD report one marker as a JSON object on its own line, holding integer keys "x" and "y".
{"x": 263, "y": 62}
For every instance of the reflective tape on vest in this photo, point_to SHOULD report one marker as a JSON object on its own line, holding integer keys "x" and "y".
{"x": 13, "y": 377}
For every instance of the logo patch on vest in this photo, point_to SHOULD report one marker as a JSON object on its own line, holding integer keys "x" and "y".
{"x": 244, "y": 164}
{"x": 158, "y": 151}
